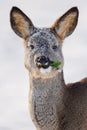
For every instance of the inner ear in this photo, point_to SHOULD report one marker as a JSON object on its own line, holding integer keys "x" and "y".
{"x": 66, "y": 24}
{"x": 20, "y": 23}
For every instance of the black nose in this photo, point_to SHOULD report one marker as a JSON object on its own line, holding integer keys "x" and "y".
{"x": 42, "y": 61}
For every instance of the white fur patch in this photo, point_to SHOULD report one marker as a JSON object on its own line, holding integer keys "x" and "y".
{"x": 59, "y": 70}
{"x": 48, "y": 70}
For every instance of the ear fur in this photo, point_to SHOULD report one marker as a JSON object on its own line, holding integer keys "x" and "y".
{"x": 20, "y": 23}
{"x": 66, "y": 24}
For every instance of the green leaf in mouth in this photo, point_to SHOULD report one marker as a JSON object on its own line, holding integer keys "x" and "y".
{"x": 56, "y": 64}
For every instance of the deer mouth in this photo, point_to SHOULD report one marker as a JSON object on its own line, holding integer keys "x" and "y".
{"x": 52, "y": 67}
{"x": 44, "y": 66}
{"x": 47, "y": 67}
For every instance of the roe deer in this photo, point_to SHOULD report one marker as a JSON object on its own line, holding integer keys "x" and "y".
{"x": 53, "y": 105}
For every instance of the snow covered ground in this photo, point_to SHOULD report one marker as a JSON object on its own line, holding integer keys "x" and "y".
{"x": 13, "y": 75}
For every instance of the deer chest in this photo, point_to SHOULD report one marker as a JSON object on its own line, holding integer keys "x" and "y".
{"x": 43, "y": 111}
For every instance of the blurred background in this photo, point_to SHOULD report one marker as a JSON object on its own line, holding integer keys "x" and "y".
{"x": 14, "y": 80}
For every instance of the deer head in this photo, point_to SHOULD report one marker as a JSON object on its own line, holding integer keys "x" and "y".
{"x": 43, "y": 45}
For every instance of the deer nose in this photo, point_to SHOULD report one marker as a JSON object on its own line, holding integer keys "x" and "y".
{"x": 42, "y": 61}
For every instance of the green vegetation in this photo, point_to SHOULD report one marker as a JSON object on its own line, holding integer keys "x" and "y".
{"x": 56, "y": 64}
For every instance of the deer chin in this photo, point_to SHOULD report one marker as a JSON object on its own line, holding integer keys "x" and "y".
{"x": 49, "y": 70}
{"x": 45, "y": 73}
{"x": 45, "y": 70}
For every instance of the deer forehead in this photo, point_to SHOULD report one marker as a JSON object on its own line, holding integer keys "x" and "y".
{"x": 43, "y": 36}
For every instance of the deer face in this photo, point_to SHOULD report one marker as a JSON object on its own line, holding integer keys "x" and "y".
{"x": 43, "y": 46}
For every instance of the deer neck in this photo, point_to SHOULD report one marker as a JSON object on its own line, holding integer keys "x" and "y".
{"x": 46, "y": 101}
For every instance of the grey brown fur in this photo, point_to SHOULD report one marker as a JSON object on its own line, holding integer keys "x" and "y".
{"x": 53, "y": 105}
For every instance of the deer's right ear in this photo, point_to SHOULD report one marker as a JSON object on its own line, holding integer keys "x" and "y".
{"x": 20, "y": 23}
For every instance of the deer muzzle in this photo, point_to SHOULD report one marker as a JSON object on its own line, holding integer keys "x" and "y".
{"x": 42, "y": 62}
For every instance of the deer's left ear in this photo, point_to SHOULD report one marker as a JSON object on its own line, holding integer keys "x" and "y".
{"x": 66, "y": 24}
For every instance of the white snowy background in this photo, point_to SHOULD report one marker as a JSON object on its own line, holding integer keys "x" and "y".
{"x": 14, "y": 80}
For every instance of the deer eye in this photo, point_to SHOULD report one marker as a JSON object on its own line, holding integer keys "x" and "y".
{"x": 31, "y": 47}
{"x": 54, "y": 47}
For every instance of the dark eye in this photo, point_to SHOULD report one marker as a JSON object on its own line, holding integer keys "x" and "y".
{"x": 31, "y": 47}
{"x": 54, "y": 47}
